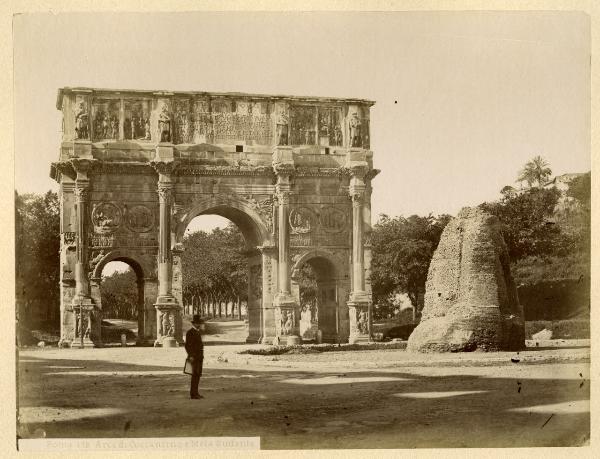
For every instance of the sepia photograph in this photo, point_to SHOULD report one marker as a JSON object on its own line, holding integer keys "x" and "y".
{"x": 302, "y": 230}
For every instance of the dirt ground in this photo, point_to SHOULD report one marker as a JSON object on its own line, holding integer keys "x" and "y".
{"x": 360, "y": 399}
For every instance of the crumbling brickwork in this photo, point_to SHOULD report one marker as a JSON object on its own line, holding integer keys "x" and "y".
{"x": 471, "y": 300}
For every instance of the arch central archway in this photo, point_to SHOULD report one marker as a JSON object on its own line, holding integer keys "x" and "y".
{"x": 257, "y": 238}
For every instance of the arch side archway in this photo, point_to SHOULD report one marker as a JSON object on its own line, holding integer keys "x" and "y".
{"x": 146, "y": 291}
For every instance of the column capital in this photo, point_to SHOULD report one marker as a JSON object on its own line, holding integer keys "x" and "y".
{"x": 356, "y": 197}
{"x": 82, "y": 189}
{"x": 165, "y": 189}
{"x": 283, "y": 196}
{"x": 356, "y": 190}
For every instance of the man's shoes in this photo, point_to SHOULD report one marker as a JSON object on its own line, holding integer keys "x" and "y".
{"x": 196, "y": 397}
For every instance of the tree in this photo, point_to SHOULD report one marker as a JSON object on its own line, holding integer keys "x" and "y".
{"x": 580, "y": 188}
{"x": 402, "y": 250}
{"x": 527, "y": 224}
{"x": 120, "y": 295}
{"x": 536, "y": 171}
{"x": 37, "y": 229}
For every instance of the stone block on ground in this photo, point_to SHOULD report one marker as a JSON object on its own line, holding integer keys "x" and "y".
{"x": 543, "y": 334}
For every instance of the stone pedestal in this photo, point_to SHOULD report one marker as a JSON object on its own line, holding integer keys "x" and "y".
{"x": 359, "y": 311}
{"x": 287, "y": 319}
{"x": 83, "y": 308}
{"x": 168, "y": 322}
{"x": 169, "y": 342}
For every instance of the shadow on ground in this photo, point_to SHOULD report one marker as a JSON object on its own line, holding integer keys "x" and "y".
{"x": 293, "y": 409}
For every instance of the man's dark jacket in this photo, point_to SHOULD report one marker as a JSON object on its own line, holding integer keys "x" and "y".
{"x": 194, "y": 347}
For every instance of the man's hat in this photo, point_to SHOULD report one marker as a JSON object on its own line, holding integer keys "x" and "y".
{"x": 196, "y": 320}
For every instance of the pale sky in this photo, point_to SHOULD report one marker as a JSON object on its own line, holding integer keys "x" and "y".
{"x": 463, "y": 99}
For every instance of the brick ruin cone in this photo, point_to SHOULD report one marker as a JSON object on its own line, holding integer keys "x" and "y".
{"x": 471, "y": 300}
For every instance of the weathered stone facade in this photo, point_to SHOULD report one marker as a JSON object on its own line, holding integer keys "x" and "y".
{"x": 470, "y": 297}
{"x": 293, "y": 173}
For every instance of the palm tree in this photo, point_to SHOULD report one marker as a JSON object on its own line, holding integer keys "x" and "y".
{"x": 536, "y": 171}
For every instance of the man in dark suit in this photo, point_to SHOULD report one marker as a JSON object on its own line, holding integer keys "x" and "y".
{"x": 195, "y": 350}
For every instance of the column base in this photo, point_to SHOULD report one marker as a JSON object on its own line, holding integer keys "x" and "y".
{"x": 87, "y": 344}
{"x": 166, "y": 301}
{"x": 267, "y": 340}
{"x": 360, "y": 298}
{"x": 359, "y": 339}
{"x": 285, "y": 300}
{"x": 294, "y": 340}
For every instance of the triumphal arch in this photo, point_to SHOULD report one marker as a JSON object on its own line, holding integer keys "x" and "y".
{"x": 293, "y": 173}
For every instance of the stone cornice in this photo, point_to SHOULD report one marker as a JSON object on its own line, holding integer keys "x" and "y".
{"x": 372, "y": 173}
{"x": 131, "y": 93}
{"x": 129, "y": 168}
{"x": 190, "y": 169}
{"x": 225, "y": 170}
{"x": 58, "y": 169}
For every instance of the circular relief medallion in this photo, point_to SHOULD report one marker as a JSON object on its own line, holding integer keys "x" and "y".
{"x": 333, "y": 220}
{"x": 300, "y": 220}
{"x": 106, "y": 217}
{"x": 140, "y": 219}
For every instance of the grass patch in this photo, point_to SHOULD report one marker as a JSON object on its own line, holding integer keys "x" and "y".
{"x": 561, "y": 329}
{"x": 319, "y": 348}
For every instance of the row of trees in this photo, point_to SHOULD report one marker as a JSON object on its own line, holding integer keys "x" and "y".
{"x": 215, "y": 270}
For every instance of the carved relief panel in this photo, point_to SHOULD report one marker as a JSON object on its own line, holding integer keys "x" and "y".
{"x": 332, "y": 219}
{"x": 201, "y": 121}
{"x": 301, "y": 220}
{"x": 139, "y": 218}
{"x": 330, "y": 126}
{"x": 285, "y": 321}
{"x": 136, "y": 123}
{"x": 255, "y": 282}
{"x": 184, "y": 128}
{"x": 106, "y": 118}
{"x": 106, "y": 217}
{"x": 303, "y": 123}
{"x": 319, "y": 224}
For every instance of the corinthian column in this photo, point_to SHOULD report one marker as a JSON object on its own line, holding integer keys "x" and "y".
{"x": 168, "y": 310}
{"x": 86, "y": 327}
{"x": 359, "y": 304}
{"x": 287, "y": 310}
